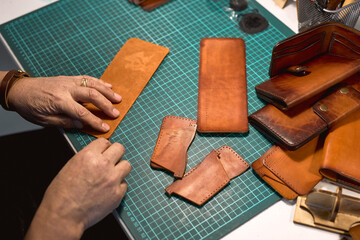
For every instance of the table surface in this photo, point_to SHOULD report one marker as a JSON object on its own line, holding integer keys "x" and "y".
{"x": 276, "y": 221}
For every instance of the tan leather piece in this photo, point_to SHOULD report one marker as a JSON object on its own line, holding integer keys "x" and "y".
{"x": 331, "y": 51}
{"x": 209, "y": 177}
{"x": 129, "y": 72}
{"x": 222, "y": 93}
{"x": 175, "y": 137}
{"x": 341, "y": 160}
{"x": 149, "y": 5}
{"x": 232, "y": 162}
{"x": 355, "y": 232}
{"x": 291, "y": 173}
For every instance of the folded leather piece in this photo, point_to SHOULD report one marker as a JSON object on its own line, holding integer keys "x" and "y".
{"x": 210, "y": 176}
{"x": 291, "y": 173}
{"x": 310, "y": 62}
{"x": 222, "y": 93}
{"x": 149, "y": 5}
{"x": 128, "y": 72}
{"x": 175, "y": 137}
{"x": 341, "y": 160}
{"x": 295, "y": 127}
{"x": 355, "y": 232}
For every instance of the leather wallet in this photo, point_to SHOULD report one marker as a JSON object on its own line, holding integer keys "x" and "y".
{"x": 341, "y": 160}
{"x": 295, "y": 127}
{"x": 291, "y": 173}
{"x": 222, "y": 93}
{"x": 210, "y": 176}
{"x": 310, "y": 62}
{"x": 175, "y": 137}
{"x": 128, "y": 72}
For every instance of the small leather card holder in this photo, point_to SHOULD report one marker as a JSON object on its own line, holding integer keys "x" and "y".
{"x": 222, "y": 93}
{"x": 175, "y": 137}
{"x": 291, "y": 173}
{"x": 210, "y": 176}
{"x": 129, "y": 72}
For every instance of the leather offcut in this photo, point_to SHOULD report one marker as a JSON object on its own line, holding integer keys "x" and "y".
{"x": 175, "y": 137}
{"x": 129, "y": 72}
{"x": 206, "y": 179}
{"x": 222, "y": 93}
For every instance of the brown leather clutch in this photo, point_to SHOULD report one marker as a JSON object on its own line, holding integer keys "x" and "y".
{"x": 222, "y": 93}
{"x": 210, "y": 176}
{"x": 341, "y": 152}
{"x": 310, "y": 62}
{"x": 291, "y": 173}
{"x": 295, "y": 127}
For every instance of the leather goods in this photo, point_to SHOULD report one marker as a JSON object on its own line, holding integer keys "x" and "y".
{"x": 210, "y": 176}
{"x": 175, "y": 137}
{"x": 150, "y": 5}
{"x": 222, "y": 93}
{"x": 342, "y": 154}
{"x": 308, "y": 63}
{"x": 291, "y": 173}
{"x": 7, "y": 82}
{"x": 295, "y": 127}
{"x": 128, "y": 72}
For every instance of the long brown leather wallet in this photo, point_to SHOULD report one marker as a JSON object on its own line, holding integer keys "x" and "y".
{"x": 175, "y": 137}
{"x": 210, "y": 176}
{"x": 310, "y": 62}
{"x": 128, "y": 72}
{"x": 222, "y": 93}
{"x": 291, "y": 173}
{"x": 341, "y": 157}
{"x": 295, "y": 127}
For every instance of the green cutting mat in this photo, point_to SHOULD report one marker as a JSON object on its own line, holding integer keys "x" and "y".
{"x": 74, "y": 37}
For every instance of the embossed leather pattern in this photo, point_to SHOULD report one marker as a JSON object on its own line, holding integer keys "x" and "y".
{"x": 175, "y": 137}
{"x": 222, "y": 93}
{"x": 129, "y": 72}
{"x": 291, "y": 173}
{"x": 331, "y": 53}
{"x": 210, "y": 176}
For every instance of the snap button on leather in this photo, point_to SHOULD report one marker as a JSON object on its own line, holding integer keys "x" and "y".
{"x": 323, "y": 108}
{"x": 344, "y": 90}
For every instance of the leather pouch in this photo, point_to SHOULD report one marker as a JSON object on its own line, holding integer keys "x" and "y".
{"x": 129, "y": 72}
{"x": 295, "y": 127}
{"x": 310, "y": 62}
{"x": 175, "y": 137}
{"x": 222, "y": 93}
{"x": 210, "y": 176}
{"x": 291, "y": 173}
{"x": 341, "y": 152}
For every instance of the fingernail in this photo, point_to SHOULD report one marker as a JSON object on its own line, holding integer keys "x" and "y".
{"x": 116, "y": 112}
{"x": 105, "y": 127}
{"x": 108, "y": 85}
{"x": 77, "y": 124}
{"x": 117, "y": 96}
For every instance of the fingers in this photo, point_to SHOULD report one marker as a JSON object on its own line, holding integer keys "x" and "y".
{"x": 99, "y": 145}
{"x": 90, "y": 95}
{"x": 114, "y": 153}
{"x": 78, "y": 112}
{"x": 100, "y": 86}
{"x": 123, "y": 168}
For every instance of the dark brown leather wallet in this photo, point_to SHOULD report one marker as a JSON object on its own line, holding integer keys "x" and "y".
{"x": 222, "y": 94}
{"x": 310, "y": 62}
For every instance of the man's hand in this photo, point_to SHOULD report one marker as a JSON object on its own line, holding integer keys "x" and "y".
{"x": 87, "y": 189}
{"x": 56, "y": 101}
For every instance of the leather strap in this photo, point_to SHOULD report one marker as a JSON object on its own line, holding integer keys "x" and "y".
{"x": 10, "y": 78}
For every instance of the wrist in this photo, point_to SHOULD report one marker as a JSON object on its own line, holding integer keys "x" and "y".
{"x": 51, "y": 224}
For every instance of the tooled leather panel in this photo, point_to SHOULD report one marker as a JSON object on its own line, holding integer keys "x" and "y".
{"x": 202, "y": 182}
{"x": 175, "y": 137}
{"x": 291, "y": 129}
{"x": 222, "y": 93}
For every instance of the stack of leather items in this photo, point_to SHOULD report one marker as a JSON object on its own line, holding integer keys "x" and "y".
{"x": 312, "y": 111}
{"x": 149, "y": 5}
